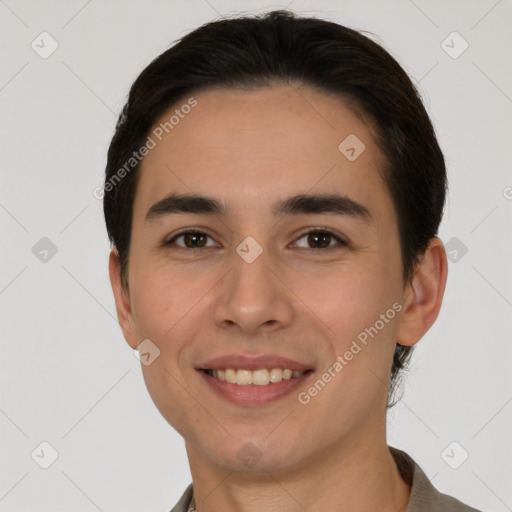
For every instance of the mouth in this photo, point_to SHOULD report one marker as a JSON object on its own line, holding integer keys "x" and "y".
{"x": 259, "y": 377}
{"x": 253, "y": 388}
{"x": 253, "y": 380}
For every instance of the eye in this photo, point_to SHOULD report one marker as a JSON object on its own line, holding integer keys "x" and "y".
{"x": 192, "y": 239}
{"x": 321, "y": 238}
{"x": 316, "y": 238}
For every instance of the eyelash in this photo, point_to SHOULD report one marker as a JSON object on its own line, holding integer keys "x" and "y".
{"x": 322, "y": 231}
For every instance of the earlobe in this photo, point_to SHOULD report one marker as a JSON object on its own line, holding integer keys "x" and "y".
{"x": 122, "y": 300}
{"x": 424, "y": 295}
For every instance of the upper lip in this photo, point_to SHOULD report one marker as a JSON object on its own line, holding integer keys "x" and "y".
{"x": 240, "y": 361}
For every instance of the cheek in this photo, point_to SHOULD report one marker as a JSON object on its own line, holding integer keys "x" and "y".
{"x": 171, "y": 307}
{"x": 162, "y": 298}
{"x": 167, "y": 310}
{"x": 357, "y": 305}
{"x": 168, "y": 390}
{"x": 353, "y": 300}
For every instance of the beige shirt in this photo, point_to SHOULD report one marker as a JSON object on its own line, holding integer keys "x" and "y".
{"x": 424, "y": 496}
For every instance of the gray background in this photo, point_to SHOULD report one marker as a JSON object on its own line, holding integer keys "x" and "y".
{"x": 67, "y": 376}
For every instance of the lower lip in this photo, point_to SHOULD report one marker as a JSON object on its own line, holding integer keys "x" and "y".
{"x": 253, "y": 394}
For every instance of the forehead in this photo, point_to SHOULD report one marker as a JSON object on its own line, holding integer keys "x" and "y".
{"x": 261, "y": 145}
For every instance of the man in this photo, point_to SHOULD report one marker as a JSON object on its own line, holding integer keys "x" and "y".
{"x": 273, "y": 193}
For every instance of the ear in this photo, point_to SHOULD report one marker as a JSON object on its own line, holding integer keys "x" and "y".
{"x": 122, "y": 299}
{"x": 423, "y": 295}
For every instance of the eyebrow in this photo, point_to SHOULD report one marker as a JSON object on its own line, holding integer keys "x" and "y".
{"x": 299, "y": 204}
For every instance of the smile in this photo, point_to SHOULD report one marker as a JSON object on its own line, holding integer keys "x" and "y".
{"x": 260, "y": 377}
{"x": 257, "y": 387}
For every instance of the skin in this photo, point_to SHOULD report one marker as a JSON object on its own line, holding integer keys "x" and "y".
{"x": 249, "y": 149}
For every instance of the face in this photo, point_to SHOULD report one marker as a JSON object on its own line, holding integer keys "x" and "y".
{"x": 265, "y": 282}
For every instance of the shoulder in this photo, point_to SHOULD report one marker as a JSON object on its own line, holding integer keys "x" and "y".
{"x": 185, "y": 500}
{"x": 424, "y": 496}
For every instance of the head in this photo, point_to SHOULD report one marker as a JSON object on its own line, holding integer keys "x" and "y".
{"x": 250, "y": 112}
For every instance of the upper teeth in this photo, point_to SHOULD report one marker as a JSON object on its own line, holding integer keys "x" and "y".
{"x": 260, "y": 377}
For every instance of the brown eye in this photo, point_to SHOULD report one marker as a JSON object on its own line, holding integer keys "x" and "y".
{"x": 191, "y": 240}
{"x": 194, "y": 239}
{"x": 320, "y": 239}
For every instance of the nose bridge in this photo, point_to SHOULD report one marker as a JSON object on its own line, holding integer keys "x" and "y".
{"x": 251, "y": 269}
{"x": 251, "y": 295}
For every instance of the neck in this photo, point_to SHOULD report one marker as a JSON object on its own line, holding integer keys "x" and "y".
{"x": 359, "y": 477}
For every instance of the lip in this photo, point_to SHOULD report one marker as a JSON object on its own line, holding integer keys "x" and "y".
{"x": 252, "y": 363}
{"x": 253, "y": 395}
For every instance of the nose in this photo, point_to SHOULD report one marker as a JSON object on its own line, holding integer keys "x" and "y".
{"x": 253, "y": 297}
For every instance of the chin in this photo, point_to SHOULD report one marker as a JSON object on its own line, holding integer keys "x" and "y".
{"x": 255, "y": 454}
